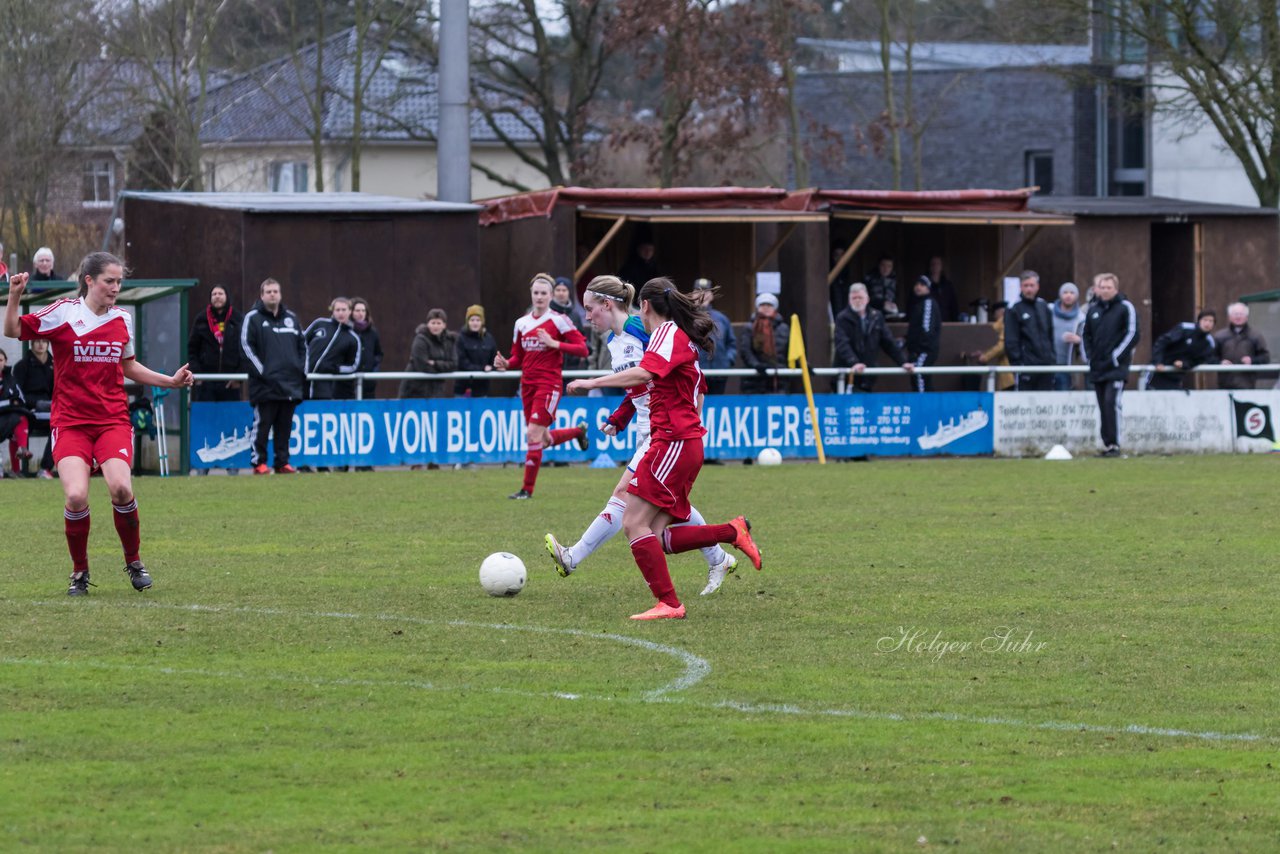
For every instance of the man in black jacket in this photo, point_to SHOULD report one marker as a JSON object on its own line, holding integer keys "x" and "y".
{"x": 213, "y": 347}
{"x": 860, "y": 330}
{"x": 1179, "y": 350}
{"x": 271, "y": 341}
{"x": 1110, "y": 335}
{"x": 924, "y": 331}
{"x": 1028, "y": 334}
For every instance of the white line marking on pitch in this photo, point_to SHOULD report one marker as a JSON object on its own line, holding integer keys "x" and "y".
{"x": 696, "y": 669}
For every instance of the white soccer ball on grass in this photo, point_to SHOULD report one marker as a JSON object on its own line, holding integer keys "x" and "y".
{"x": 502, "y": 574}
{"x": 769, "y": 457}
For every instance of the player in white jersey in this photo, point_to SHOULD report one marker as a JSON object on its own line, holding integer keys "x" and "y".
{"x": 608, "y": 303}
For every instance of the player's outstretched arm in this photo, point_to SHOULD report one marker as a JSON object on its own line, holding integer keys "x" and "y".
{"x": 622, "y": 379}
{"x": 135, "y": 371}
{"x": 12, "y": 311}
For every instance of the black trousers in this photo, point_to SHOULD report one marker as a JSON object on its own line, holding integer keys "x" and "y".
{"x": 274, "y": 417}
{"x": 1109, "y": 411}
{"x": 1035, "y": 382}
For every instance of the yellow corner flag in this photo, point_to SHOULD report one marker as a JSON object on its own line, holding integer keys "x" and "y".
{"x": 796, "y": 359}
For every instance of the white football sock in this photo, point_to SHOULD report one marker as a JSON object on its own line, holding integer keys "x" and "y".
{"x": 601, "y": 529}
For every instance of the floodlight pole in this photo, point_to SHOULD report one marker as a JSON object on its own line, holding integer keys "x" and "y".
{"x": 453, "y": 152}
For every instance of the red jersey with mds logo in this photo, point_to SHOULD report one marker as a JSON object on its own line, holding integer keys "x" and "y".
{"x": 88, "y": 356}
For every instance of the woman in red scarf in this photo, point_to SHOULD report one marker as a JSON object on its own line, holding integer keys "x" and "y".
{"x": 214, "y": 348}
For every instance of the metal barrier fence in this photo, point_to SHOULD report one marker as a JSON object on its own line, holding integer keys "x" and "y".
{"x": 842, "y": 374}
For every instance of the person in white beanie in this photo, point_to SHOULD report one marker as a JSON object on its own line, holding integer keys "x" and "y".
{"x": 767, "y": 351}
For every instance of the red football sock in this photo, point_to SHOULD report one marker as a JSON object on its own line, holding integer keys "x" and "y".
{"x": 127, "y": 527}
{"x": 564, "y": 434}
{"x": 653, "y": 566}
{"x": 18, "y": 442}
{"x": 686, "y": 538}
{"x": 77, "y": 527}
{"x": 532, "y": 462}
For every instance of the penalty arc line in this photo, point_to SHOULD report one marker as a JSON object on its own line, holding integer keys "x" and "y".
{"x": 696, "y": 669}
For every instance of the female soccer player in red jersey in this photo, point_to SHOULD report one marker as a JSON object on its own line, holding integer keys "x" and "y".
{"x": 542, "y": 339}
{"x": 93, "y": 347}
{"x": 659, "y": 493}
{"x": 608, "y": 301}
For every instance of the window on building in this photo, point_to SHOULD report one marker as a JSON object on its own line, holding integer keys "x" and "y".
{"x": 1040, "y": 171}
{"x": 1128, "y": 133}
{"x": 210, "y": 176}
{"x": 289, "y": 177}
{"x": 99, "y": 182}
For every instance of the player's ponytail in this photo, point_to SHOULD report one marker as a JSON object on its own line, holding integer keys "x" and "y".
{"x": 614, "y": 290}
{"x": 93, "y": 265}
{"x": 684, "y": 311}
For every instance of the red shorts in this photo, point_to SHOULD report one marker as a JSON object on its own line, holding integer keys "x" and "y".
{"x": 540, "y": 404}
{"x": 95, "y": 445}
{"x": 666, "y": 475}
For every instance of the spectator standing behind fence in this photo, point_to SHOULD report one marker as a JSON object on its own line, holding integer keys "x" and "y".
{"x": 333, "y": 347}
{"x": 860, "y": 331}
{"x": 1238, "y": 344}
{"x": 43, "y": 263}
{"x": 1028, "y": 333}
{"x": 434, "y": 351}
{"x": 34, "y": 374}
{"x": 213, "y": 347}
{"x": 1179, "y": 350}
{"x": 924, "y": 331}
{"x": 15, "y": 418}
{"x": 476, "y": 349}
{"x": 767, "y": 351}
{"x": 995, "y": 355}
{"x": 272, "y": 345}
{"x": 565, "y": 301}
{"x": 726, "y": 349}
{"x": 1110, "y": 336}
{"x": 1067, "y": 318}
{"x": 882, "y": 287}
{"x": 370, "y": 345}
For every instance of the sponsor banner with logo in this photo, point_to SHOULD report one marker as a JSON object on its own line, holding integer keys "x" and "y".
{"x": 1151, "y": 422}
{"x": 491, "y": 430}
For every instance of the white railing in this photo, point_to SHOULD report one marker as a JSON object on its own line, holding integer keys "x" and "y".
{"x": 988, "y": 371}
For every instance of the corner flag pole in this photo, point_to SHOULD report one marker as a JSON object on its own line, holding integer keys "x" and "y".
{"x": 796, "y": 358}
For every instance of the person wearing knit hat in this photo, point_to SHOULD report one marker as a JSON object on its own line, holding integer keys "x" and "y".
{"x": 924, "y": 331}
{"x": 1067, "y": 322}
{"x": 476, "y": 348}
{"x": 767, "y": 349}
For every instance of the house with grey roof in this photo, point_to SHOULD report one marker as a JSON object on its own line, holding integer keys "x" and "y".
{"x": 262, "y": 129}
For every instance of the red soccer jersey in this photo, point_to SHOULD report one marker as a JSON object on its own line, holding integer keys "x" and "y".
{"x": 89, "y": 350}
{"x": 541, "y": 365}
{"x": 673, "y": 391}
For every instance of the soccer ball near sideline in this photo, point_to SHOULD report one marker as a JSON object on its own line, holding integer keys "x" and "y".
{"x": 502, "y": 574}
{"x": 769, "y": 457}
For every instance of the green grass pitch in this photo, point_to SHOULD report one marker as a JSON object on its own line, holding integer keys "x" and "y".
{"x": 984, "y": 655}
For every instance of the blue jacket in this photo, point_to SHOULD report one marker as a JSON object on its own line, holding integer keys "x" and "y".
{"x": 726, "y": 354}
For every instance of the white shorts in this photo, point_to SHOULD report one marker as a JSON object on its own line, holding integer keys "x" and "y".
{"x": 641, "y": 449}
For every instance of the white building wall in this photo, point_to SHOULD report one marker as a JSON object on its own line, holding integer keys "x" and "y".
{"x": 1189, "y": 160}
{"x": 391, "y": 170}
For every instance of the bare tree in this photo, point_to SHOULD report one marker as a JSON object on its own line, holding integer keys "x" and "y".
{"x": 1214, "y": 62}
{"x": 539, "y": 67}
{"x": 713, "y": 69}
{"x": 47, "y": 86}
{"x": 170, "y": 43}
